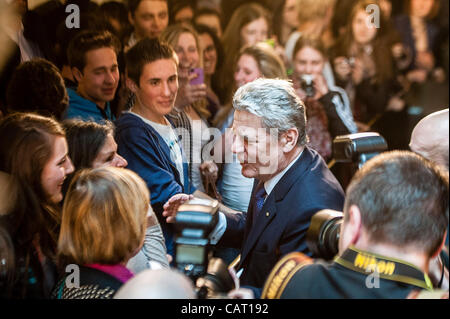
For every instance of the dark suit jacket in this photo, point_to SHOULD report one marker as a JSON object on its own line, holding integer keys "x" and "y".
{"x": 307, "y": 187}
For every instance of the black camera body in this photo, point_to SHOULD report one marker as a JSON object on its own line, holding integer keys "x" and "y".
{"x": 307, "y": 84}
{"x": 358, "y": 148}
{"x": 193, "y": 255}
{"x": 194, "y": 222}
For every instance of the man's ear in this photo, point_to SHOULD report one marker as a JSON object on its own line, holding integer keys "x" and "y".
{"x": 77, "y": 74}
{"x": 289, "y": 140}
{"x": 441, "y": 246}
{"x": 131, "y": 85}
{"x": 354, "y": 224}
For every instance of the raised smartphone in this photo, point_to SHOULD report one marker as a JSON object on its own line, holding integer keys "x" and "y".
{"x": 200, "y": 76}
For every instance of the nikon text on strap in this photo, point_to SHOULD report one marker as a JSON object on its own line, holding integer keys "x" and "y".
{"x": 387, "y": 268}
{"x": 282, "y": 274}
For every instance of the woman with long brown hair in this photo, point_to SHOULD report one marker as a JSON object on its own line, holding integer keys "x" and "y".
{"x": 33, "y": 152}
{"x": 327, "y": 113}
{"x": 364, "y": 67}
{"x": 420, "y": 37}
{"x": 249, "y": 24}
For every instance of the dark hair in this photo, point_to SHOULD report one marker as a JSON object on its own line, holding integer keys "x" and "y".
{"x": 134, "y": 4}
{"x": 26, "y": 145}
{"x": 88, "y": 21}
{"x": 37, "y": 85}
{"x": 177, "y": 5}
{"x": 85, "y": 140}
{"x": 7, "y": 263}
{"x": 433, "y": 12}
{"x": 231, "y": 40}
{"x": 205, "y": 11}
{"x": 277, "y": 17}
{"x": 381, "y": 49}
{"x": 144, "y": 52}
{"x": 202, "y": 29}
{"x": 403, "y": 199}
{"x": 115, "y": 10}
{"x": 315, "y": 43}
{"x": 89, "y": 40}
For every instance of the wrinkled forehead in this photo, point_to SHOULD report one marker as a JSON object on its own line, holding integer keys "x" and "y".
{"x": 246, "y": 119}
{"x": 249, "y": 125}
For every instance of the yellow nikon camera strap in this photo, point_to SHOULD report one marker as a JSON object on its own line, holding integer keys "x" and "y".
{"x": 282, "y": 274}
{"x": 387, "y": 268}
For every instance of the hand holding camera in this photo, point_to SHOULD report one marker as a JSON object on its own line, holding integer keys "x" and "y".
{"x": 349, "y": 68}
{"x": 342, "y": 67}
{"x": 313, "y": 86}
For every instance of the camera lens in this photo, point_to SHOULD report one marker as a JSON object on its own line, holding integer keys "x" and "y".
{"x": 329, "y": 238}
{"x": 307, "y": 84}
{"x": 323, "y": 234}
{"x": 216, "y": 281}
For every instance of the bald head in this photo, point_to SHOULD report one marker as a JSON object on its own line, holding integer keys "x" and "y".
{"x": 430, "y": 138}
{"x": 157, "y": 284}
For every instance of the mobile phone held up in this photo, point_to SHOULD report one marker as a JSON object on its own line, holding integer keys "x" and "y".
{"x": 200, "y": 79}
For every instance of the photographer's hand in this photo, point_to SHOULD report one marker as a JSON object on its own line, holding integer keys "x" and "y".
{"x": 171, "y": 207}
{"x": 342, "y": 68}
{"x": 320, "y": 85}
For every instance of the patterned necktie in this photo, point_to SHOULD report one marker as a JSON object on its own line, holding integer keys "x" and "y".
{"x": 260, "y": 196}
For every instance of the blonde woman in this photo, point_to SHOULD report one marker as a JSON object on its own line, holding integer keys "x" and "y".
{"x": 103, "y": 225}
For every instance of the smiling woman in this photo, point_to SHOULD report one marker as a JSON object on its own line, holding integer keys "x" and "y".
{"x": 92, "y": 145}
{"x": 33, "y": 151}
{"x": 249, "y": 24}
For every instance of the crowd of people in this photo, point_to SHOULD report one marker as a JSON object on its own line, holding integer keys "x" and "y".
{"x": 107, "y": 128}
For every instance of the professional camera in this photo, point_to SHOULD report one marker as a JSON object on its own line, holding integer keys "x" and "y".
{"x": 307, "y": 84}
{"x": 358, "y": 148}
{"x": 323, "y": 234}
{"x": 194, "y": 222}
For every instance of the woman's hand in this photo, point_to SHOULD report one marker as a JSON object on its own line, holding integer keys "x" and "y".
{"x": 395, "y": 104}
{"x": 320, "y": 85}
{"x": 362, "y": 127}
{"x": 189, "y": 93}
{"x": 425, "y": 60}
{"x": 210, "y": 169}
{"x": 418, "y": 75}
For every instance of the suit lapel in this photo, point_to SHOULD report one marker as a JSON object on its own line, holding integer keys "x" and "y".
{"x": 267, "y": 213}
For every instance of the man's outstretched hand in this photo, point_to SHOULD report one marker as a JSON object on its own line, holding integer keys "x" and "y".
{"x": 171, "y": 207}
